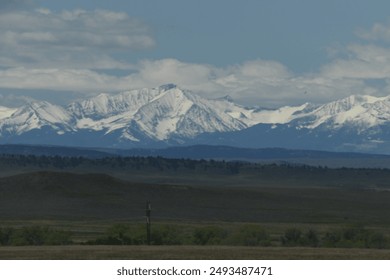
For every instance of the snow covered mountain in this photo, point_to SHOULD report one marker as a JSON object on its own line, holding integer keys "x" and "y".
{"x": 352, "y": 124}
{"x": 139, "y": 117}
{"x": 168, "y": 115}
{"x": 157, "y": 114}
{"x": 35, "y": 116}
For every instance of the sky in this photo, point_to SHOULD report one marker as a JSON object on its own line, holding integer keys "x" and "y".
{"x": 268, "y": 53}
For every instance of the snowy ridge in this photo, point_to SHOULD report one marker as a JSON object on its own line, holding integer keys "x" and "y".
{"x": 359, "y": 111}
{"x": 35, "y": 116}
{"x": 6, "y": 112}
{"x": 158, "y": 113}
{"x": 170, "y": 115}
{"x": 105, "y": 105}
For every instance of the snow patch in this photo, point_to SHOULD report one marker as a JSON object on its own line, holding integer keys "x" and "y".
{"x": 6, "y": 112}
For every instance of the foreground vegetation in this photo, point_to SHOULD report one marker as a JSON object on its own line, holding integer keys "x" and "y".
{"x": 245, "y": 235}
{"x": 250, "y": 235}
{"x": 228, "y": 241}
{"x": 36, "y": 235}
{"x": 198, "y": 206}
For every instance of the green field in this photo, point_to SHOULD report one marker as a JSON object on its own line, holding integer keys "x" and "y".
{"x": 219, "y": 205}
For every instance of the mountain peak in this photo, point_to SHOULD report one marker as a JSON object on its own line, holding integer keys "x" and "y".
{"x": 169, "y": 115}
{"x": 227, "y": 98}
{"x": 167, "y": 87}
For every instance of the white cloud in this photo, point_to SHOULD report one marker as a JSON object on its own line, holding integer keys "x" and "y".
{"x": 58, "y": 79}
{"x": 258, "y": 82}
{"x": 173, "y": 71}
{"x": 365, "y": 62}
{"x": 265, "y": 83}
{"x": 66, "y": 52}
{"x": 43, "y": 38}
{"x": 378, "y": 32}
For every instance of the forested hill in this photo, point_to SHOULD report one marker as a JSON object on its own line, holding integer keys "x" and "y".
{"x": 198, "y": 152}
{"x": 201, "y": 172}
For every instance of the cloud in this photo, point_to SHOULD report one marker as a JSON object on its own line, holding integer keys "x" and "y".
{"x": 58, "y": 79}
{"x": 72, "y": 51}
{"x": 378, "y": 32}
{"x": 258, "y": 82}
{"x": 253, "y": 79}
{"x": 70, "y": 39}
{"x": 157, "y": 72}
{"x": 365, "y": 62}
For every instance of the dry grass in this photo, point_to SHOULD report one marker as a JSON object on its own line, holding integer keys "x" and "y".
{"x": 185, "y": 253}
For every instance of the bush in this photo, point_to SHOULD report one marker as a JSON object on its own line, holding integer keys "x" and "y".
{"x": 210, "y": 235}
{"x": 295, "y": 237}
{"x": 166, "y": 235}
{"x": 377, "y": 240}
{"x": 292, "y": 237}
{"x": 6, "y": 236}
{"x": 58, "y": 237}
{"x": 250, "y": 235}
{"x": 331, "y": 239}
{"x": 121, "y": 234}
{"x": 36, "y": 236}
{"x": 310, "y": 238}
{"x": 355, "y": 237}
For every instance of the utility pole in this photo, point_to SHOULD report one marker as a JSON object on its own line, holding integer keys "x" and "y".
{"x": 148, "y": 210}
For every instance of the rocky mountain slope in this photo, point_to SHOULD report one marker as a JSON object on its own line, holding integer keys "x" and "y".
{"x": 170, "y": 116}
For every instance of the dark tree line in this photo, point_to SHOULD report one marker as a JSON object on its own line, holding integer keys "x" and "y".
{"x": 160, "y": 164}
{"x": 136, "y": 163}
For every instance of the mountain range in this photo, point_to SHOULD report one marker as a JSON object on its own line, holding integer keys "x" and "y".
{"x": 170, "y": 116}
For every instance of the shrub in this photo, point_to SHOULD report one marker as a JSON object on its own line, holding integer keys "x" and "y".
{"x": 331, "y": 239}
{"x": 36, "y": 236}
{"x": 355, "y": 237}
{"x": 58, "y": 237}
{"x": 250, "y": 235}
{"x": 310, "y": 238}
{"x": 292, "y": 237}
{"x": 121, "y": 234}
{"x": 209, "y": 235}
{"x": 377, "y": 240}
{"x": 295, "y": 237}
{"x": 6, "y": 236}
{"x": 166, "y": 235}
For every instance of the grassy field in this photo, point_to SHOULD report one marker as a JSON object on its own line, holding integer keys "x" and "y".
{"x": 274, "y": 198}
{"x": 84, "y": 197}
